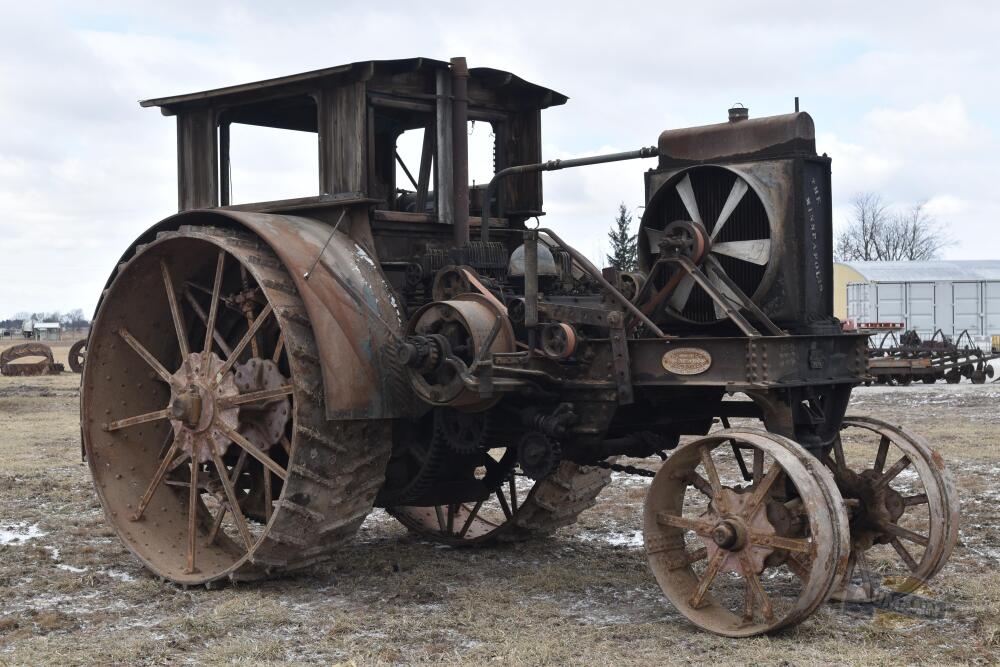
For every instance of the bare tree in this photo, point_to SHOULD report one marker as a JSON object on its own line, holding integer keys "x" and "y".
{"x": 877, "y": 234}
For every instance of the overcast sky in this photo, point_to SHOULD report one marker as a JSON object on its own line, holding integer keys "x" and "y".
{"x": 905, "y": 97}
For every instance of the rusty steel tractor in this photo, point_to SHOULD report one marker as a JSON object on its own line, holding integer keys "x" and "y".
{"x": 260, "y": 375}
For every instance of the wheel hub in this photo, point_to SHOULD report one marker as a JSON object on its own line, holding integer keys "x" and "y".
{"x": 731, "y": 530}
{"x": 196, "y": 415}
{"x": 878, "y": 506}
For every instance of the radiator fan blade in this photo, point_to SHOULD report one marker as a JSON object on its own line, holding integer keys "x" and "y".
{"x": 757, "y": 251}
{"x": 740, "y": 188}
{"x": 681, "y": 293}
{"x": 686, "y": 192}
{"x": 724, "y": 289}
{"x": 654, "y": 236}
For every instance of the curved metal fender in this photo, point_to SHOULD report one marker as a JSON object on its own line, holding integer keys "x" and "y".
{"x": 355, "y": 315}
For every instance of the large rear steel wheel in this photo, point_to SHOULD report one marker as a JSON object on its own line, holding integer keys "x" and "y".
{"x": 203, "y": 418}
{"x": 518, "y": 509}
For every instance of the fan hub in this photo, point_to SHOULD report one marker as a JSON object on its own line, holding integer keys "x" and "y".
{"x": 686, "y": 237}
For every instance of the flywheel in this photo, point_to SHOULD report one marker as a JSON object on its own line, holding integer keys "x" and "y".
{"x": 203, "y": 418}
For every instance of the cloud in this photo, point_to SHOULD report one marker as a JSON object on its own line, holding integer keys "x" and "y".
{"x": 902, "y": 94}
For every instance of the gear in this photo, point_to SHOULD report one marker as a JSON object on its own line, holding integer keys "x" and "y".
{"x": 463, "y": 432}
{"x": 538, "y": 455}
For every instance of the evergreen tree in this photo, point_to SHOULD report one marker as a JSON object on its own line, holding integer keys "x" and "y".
{"x": 623, "y": 255}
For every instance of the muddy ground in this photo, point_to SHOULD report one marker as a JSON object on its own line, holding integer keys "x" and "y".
{"x": 71, "y": 594}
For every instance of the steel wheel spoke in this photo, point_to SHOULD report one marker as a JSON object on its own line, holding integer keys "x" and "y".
{"x": 138, "y": 419}
{"x": 146, "y": 356}
{"x": 799, "y": 565}
{"x": 758, "y": 465}
{"x": 904, "y": 554}
{"x": 690, "y": 558}
{"x": 708, "y": 577}
{"x": 217, "y": 524}
{"x": 800, "y": 545}
{"x": 157, "y": 478}
{"x": 890, "y": 474}
{"x": 710, "y": 470}
{"x": 278, "y": 347}
{"x": 755, "y": 588}
{"x": 470, "y": 519}
{"x": 175, "y": 311}
{"x": 883, "y": 452}
{"x": 200, "y": 312}
{"x": 700, "y": 483}
{"x": 919, "y": 499}
{"x": 252, "y": 449}
{"x": 253, "y": 396}
{"x": 838, "y": 453}
{"x": 241, "y": 522}
{"x": 503, "y": 504}
{"x": 702, "y": 528}
{"x": 760, "y": 493}
{"x": 268, "y": 495}
{"x": 513, "y": 494}
{"x": 898, "y": 531}
{"x": 213, "y": 307}
{"x": 442, "y": 522}
{"x": 192, "y": 517}
{"x": 238, "y": 350}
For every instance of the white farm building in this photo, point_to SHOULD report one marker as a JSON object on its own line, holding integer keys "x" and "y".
{"x": 952, "y": 296}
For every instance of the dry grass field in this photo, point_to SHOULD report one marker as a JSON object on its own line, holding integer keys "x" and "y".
{"x": 71, "y": 594}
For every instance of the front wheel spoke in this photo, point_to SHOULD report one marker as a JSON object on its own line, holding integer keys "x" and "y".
{"x": 904, "y": 554}
{"x": 760, "y": 493}
{"x": 712, "y": 569}
{"x": 711, "y": 471}
{"x": 755, "y": 589}
{"x": 238, "y": 350}
{"x": 758, "y": 465}
{"x": 146, "y": 355}
{"x": 254, "y": 396}
{"x": 241, "y": 522}
{"x": 278, "y": 347}
{"x": 898, "y": 531}
{"x": 157, "y": 478}
{"x": 702, "y": 528}
{"x": 700, "y": 483}
{"x": 192, "y": 545}
{"x": 138, "y": 419}
{"x": 799, "y": 565}
{"x": 861, "y": 563}
{"x": 919, "y": 499}
{"x": 268, "y": 495}
{"x": 890, "y": 474}
{"x": 252, "y": 449}
{"x": 797, "y": 544}
{"x": 838, "y": 454}
{"x": 513, "y": 493}
{"x": 883, "y": 452}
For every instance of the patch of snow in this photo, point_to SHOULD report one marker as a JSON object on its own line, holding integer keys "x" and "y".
{"x": 19, "y": 533}
{"x": 631, "y": 539}
{"x": 120, "y": 576}
{"x": 70, "y": 568}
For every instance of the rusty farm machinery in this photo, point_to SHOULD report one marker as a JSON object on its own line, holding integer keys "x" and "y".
{"x": 907, "y": 358}
{"x": 44, "y": 365}
{"x": 261, "y": 375}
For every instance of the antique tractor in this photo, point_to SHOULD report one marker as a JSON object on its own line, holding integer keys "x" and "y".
{"x": 259, "y": 376}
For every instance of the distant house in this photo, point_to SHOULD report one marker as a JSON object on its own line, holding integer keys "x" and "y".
{"x": 46, "y": 331}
